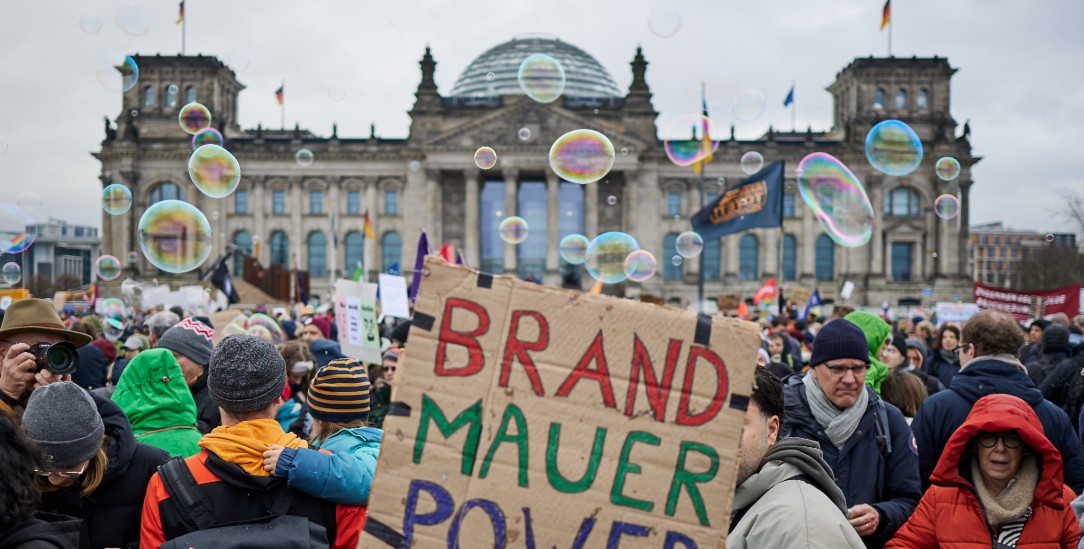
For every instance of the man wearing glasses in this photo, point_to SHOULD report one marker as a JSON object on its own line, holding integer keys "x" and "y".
{"x": 865, "y": 440}
{"x": 989, "y": 364}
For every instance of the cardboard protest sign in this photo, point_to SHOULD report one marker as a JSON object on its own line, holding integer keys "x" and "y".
{"x": 528, "y": 416}
{"x": 355, "y": 315}
{"x": 394, "y": 300}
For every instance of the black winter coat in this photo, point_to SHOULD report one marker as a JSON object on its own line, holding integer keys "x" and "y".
{"x": 92, "y": 369}
{"x": 941, "y": 368}
{"x": 42, "y": 531}
{"x": 207, "y": 415}
{"x": 111, "y": 514}
{"x": 1064, "y": 386}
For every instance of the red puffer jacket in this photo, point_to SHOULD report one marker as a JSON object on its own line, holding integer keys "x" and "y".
{"x": 950, "y": 515}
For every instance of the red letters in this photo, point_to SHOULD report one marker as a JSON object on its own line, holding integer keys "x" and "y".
{"x": 465, "y": 339}
{"x": 684, "y": 415}
{"x": 658, "y": 393}
{"x": 518, "y": 349}
{"x": 601, "y": 375}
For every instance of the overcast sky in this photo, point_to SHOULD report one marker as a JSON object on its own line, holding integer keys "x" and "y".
{"x": 1019, "y": 83}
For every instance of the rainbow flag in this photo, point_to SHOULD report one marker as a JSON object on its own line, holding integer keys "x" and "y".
{"x": 886, "y": 14}
{"x": 705, "y": 140}
{"x": 369, "y": 227}
{"x": 180, "y": 15}
{"x": 279, "y": 93}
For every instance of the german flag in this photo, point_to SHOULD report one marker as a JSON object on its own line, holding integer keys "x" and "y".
{"x": 369, "y": 227}
{"x": 279, "y": 93}
{"x": 886, "y": 14}
{"x": 180, "y": 15}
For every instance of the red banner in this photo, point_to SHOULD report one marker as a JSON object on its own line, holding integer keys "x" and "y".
{"x": 1024, "y": 305}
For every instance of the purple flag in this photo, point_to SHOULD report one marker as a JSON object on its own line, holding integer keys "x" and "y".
{"x": 419, "y": 263}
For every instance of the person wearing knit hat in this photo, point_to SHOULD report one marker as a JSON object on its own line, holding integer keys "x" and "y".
{"x": 191, "y": 343}
{"x": 246, "y": 374}
{"x": 894, "y": 352}
{"x": 916, "y": 356}
{"x": 339, "y": 401}
{"x": 63, "y": 421}
{"x": 865, "y": 440}
{"x": 1055, "y": 350}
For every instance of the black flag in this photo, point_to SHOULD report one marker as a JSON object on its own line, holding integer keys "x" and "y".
{"x": 221, "y": 279}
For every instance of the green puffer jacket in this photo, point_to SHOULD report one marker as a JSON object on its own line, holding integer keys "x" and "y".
{"x": 153, "y": 394}
{"x": 877, "y": 332}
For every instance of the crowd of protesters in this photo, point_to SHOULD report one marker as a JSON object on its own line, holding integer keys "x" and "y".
{"x": 861, "y": 432}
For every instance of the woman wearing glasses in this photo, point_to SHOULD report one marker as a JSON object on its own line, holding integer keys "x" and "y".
{"x": 998, "y": 484}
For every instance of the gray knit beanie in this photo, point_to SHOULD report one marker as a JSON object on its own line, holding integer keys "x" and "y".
{"x": 246, "y": 374}
{"x": 63, "y": 421}
{"x": 190, "y": 338}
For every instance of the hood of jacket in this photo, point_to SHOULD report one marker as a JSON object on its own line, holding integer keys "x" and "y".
{"x": 122, "y": 442}
{"x": 788, "y": 458}
{"x": 153, "y": 394}
{"x": 984, "y": 377}
{"x": 243, "y": 444}
{"x": 998, "y": 413}
{"x": 877, "y": 332}
{"x": 353, "y": 440}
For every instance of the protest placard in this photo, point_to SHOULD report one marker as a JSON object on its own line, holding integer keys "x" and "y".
{"x": 393, "y": 296}
{"x": 355, "y": 315}
{"x": 955, "y": 312}
{"x": 529, "y": 416}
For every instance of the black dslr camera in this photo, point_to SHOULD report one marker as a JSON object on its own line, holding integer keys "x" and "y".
{"x": 59, "y": 358}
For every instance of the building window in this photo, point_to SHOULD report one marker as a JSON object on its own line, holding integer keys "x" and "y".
{"x": 570, "y": 221}
{"x": 166, "y": 191}
{"x": 316, "y": 202}
{"x": 149, "y": 97}
{"x": 901, "y": 99}
{"x": 492, "y": 212}
{"x": 278, "y": 201}
{"x": 902, "y": 202}
{"x": 353, "y": 202}
{"x": 788, "y": 205}
{"x": 531, "y": 253}
{"x": 391, "y": 248}
{"x": 190, "y": 94}
{"x": 354, "y": 251}
{"x": 669, "y": 248}
{"x": 317, "y": 252}
{"x": 171, "y": 95}
{"x": 240, "y": 202}
{"x": 391, "y": 203}
{"x": 712, "y": 253}
{"x": 923, "y": 100}
{"x": 243, "y": 241}
{"x": 826, "y": 258}
{"x": 673, "y": 203}
{"x": 749, "y": 258}
{"x": 879, "y": 99}
{"x": 901, "y": 260}
{"x": 280, "y": 249}
{"x": 790, "y": 257}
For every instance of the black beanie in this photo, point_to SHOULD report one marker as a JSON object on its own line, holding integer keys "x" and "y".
{"x": 1056, "y": 339}
{"x": 839, "y": 338}
{"x": 899, "y": 341}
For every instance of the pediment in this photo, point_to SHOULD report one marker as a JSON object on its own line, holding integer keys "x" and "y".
{"x": 906, "y": 225}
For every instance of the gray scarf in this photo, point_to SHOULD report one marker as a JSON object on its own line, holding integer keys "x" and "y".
{"x": 838, "y": 424}
{"x": 1015, "y": 500}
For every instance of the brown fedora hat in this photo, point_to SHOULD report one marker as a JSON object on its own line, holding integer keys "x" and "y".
{"x": 38, "y": 315}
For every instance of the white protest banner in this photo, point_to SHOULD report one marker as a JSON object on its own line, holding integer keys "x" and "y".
{"x": 394, "y": 300}
{"x": 355, "y": 314}
{"x": 955, "y": 312}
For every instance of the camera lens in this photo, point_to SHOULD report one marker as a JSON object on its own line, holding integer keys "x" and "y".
{"x": 61, "y": 358}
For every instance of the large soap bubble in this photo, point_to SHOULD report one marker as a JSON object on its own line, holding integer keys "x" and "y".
{"x": 836, "y": 198}
{"x": 685, "y": 144}
{"x": 175, "y": 236}
{"x": 573, "y": 248}
{"x": 582, "y": 156}
{"x": 893, "y": 148}
{"x": 541, "y": 77}
{"x": 215, "y": 172}
{"x": 606, "y": 256}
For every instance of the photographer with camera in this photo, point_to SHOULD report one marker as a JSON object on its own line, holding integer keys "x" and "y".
{"x": 37, "y": 349}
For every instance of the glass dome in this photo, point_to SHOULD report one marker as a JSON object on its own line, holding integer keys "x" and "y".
{"x": 584, "y": 76}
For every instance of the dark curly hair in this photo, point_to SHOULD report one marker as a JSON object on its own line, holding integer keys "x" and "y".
{"x": 19, "y": 497}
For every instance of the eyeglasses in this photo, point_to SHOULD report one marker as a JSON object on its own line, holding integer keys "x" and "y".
{"x": 840, "y": 371}
{"x": 61, "y": 474}
{"x": 1010, "y": 440}
{"x": 956, "y": 352}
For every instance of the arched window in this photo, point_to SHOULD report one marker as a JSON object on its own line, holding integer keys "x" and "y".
{"x": 669, "y": 249}
{"x": 711, "y": 260}
{"x": 923, "y": 100}
{"x": 879, "y": 99}
{"x": 149, "y": 97}
{"x": 243, "y": 240}
{"x": 749, "y": 258}
{"x": 902, "y": 202}
{"x": 190, "y": 94}
{"x": 280, "y": 249}
{"x": 354, "y": 245}
{"x": 391, "y": 249}
{"x": 790, "y": 257}
{"x": 901, "y": 99}
{"x": 166, "y": 191}
{"x": 171, "y": 95}
{"x": 826, "y": 258}
{"x": 317, "y": 252}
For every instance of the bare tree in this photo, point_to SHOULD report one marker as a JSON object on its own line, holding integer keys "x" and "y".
{"x": 1071, "y": 208}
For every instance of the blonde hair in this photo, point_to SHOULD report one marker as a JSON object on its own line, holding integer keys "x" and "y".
{"x": 90, "y": 480}
{"x": 323, "y": 430}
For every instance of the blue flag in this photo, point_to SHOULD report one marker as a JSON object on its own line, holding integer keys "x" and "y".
{"x": 790, "y": 97}
{"x": 393, "y": 269}
{"x": 756, "y": 201}
{"x": 814, "y": 301}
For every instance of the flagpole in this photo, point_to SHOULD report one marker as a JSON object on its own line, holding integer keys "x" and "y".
{"x": 703, "y": 202}
{"x": 184, "y": 28}
{"x": 793, "y": 110}
{"x": 283, "y": 105}
{"x": 779, "y": 272}
{"x": 890, "y": 29}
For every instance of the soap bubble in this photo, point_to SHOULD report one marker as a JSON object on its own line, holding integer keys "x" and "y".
{"x": 304, "y": 157}
{"x": 174, "y": 236}
{"x": 194, "y": 118}
{"x": 689, "y": 244}
{"x": 640, "y": 266}
{"x": 30, "y": 202}
{"x": 209, "y": 136}
{"x": 490, "y": 76}
{"x": 748, "y": 105}
{"x": 573, "y": 248}
{"x": 751, "y": 162}
{"x": 836, "y": 198}
{"x": 676, "y": 260}
{"x": 606, "y": 254}
{"x": 214, "y": 170}
{"x": 111, "y": 307}
{"x": 14, "y": 237}
{"x": 513, "y": 229}
{"x": 108, "y": 267}
{"x": 893, "y": 148}
{"x": 259, "y": 331}
{"x": 485, "y": 158}
{"x": 336, "y": 92}
{"x": 946, "y": 206}
{"x": 1049, "y": 237}
{"x": 260, "y": 320}
{"x": 132, "y": 19}
{"x": 611, "y": 200}
{"x": 582, "y": 156}
{"x": 664, "y": 20}
{"x": 12, "y": 273}
{"x": 524, "y": 134}
{"x": 90, "y": 23}
{"x": 116, "y": 199}
{"x": 541, "y": 77}
{"x": 117, "y": 72}
{"x": 414, "y": 165}
{"x": 684, "y": 143}
{"x": 113, "y": 328}
{"x": 948, "y": 168}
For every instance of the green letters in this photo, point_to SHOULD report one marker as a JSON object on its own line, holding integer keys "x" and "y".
{"x": 472, "y": 415}
{"x": 557, "y": 480}
{"x": 617, "y": 496}
{"x": 690, "y": 480}
{"x": 520, "y": 440}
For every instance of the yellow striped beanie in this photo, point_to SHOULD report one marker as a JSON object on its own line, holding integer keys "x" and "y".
{"x": 339, "y": 392}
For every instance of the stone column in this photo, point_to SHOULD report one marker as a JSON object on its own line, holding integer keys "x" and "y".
{"x": 435, "y": 204}
{"x": 472, "y": 230}
{"x": 374, "y": 249}
{"x": 333, "y": 204}
{"x": 296, "y": 204}
{"x": 808, "y": 241}
{"x": 877, "y": 244}
{"x": 258, "y": 206}
{"x": 553, "y": 234}
{"x": 511, "y": 186}
{"x": 964, "y": 236}
{"x": 590, "y": 210}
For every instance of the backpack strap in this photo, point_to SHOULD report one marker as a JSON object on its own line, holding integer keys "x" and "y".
{"x": 884, "y": 438}
{"x": 194, "y": 508}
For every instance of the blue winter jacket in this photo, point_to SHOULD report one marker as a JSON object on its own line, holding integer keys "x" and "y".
{"x": 945, "y": 411}
{"x": 864, "y": 469}
{"x": 345, "y": 476}
{"x": 288, "y": 413}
